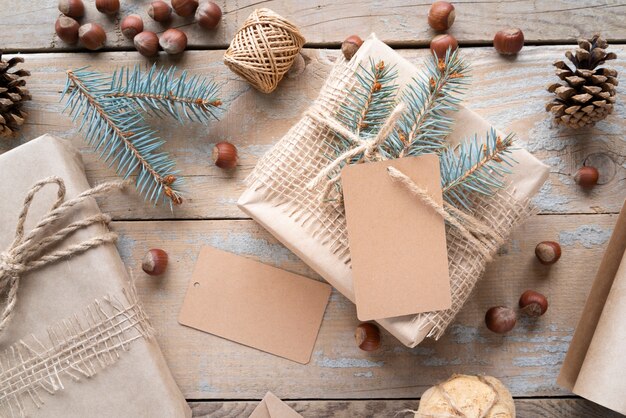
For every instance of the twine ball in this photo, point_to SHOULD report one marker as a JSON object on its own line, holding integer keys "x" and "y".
{"x": 264, "y": 49}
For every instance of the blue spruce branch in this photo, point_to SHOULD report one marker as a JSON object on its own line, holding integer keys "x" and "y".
{"x": 160, "y": 91}
{"x": 120, "y": 135}
{"x": 475, "y": 166}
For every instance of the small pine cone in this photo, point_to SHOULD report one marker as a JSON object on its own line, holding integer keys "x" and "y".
{"x": 13, "y": 94}
{"x": 586, "y": 93}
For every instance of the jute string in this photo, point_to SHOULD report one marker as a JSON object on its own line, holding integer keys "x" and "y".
{"x": 264, "y": 49}
{"x": 26, "y": 252}
{"x": 484, "y": 238}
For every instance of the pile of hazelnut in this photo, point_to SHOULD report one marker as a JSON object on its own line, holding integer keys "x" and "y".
{"x": 173, "y": 41}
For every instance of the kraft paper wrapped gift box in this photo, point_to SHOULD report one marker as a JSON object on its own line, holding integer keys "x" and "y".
{"x": 79, "y": 343}
{"x": 277, "y": 197}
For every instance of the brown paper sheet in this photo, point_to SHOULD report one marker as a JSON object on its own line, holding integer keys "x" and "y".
{"x": 595, "y": 362}
{"x": 139, "y": 384}
{"x": 255, "y": 304}
{"x": 397, "y": 242}
{"x": 272, "y": 407}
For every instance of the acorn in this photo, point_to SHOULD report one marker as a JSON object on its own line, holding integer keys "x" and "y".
{"x": 154, "y": 262}
{"x": 533, "y": 303}
{"x": 350, "y": 46}
{"x": 72, "y": 8}
{"x": 441, "y": 43}
{"x": 66, "y": 29}
{"x": 367, "y": 336}
{"x": 509, "y": 41}
{"x": 160, "y": 11}
{"x": 147, "y": 43}
{"x": 587, "y": 176}
{"x": 184, "y": 8}
{"x": 109, "y": 7}
{"x": 441, "y": 15}
{"x": 548, "y": 252}
{"x": 225, "y": 155}
{"x": 173, "y": 41}
{"x": 92, "y": 36}
{"x": 131, "y": 26}
{"x": 208, "y": 15}
{"x": 500, "y": 319}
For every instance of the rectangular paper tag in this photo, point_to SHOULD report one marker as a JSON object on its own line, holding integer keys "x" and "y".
{"x": 255, "y": 304}
{"x": 397, "y": 242}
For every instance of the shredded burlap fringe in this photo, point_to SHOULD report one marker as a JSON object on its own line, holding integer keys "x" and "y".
{"x": 283, "y": 174}
{"x": 76, "y": 347}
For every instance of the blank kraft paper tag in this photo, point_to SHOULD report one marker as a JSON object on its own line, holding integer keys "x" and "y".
{"x": 255, "y": 304}
{"x": 397, "y": 242}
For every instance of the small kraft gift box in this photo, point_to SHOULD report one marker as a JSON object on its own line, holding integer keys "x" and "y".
{"x": 75, "y": 340}
{"x": 280, "y": 197}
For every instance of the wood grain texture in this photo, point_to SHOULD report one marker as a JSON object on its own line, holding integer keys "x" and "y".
{"x": 29, "y": 25}
{"x": 254, "y": 121}
{"x": 525, "y": 408}
{"x": 527, "y": 360}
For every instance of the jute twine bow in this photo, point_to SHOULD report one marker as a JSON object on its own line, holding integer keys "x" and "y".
{"x": 26, "y": 251}
{"x": 485, "y": 240}
{"x": 264, "y": 49}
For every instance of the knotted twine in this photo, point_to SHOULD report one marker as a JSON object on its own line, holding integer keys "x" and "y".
{"x": 25, "y": 253}
{"x": 485, "y": 239}
{"x": 264, "y": 49}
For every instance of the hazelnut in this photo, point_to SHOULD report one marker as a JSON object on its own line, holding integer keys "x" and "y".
{"x": 225, "y": 155}
{"x": 147, "y": 43}
{"x": 173, "y": 41}
{"x": 109, "y": 7}
{"x": 367, "y": 336}
{"x": 154, "y": 262}
{"x": 350, "y": 46}
{"x": 587, "y": 176}
{"x": 533, "y": 303}
{"x": 184, "y": 8}
{"x": 131, "y": 26}
{"x": 67, "y": 29}
{"x": 92, "y": 36}
{"x": 509, "y": 41}
{"x": 500, "y": 319}
{"x": 441, "y": 43}
{"x": 160, "y": 11}
{"x": 548, "y": 252}
{"x": 208, "y": 15}
{"x": 72, "y": 8}
{"x": 441, "y": 15}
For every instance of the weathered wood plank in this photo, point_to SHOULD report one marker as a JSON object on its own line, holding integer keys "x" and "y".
{"x": 524, "y": 408}
{"x": 255, "y": 121}
{"x": 29, "y": 25}
{"x": 527, "y": 359}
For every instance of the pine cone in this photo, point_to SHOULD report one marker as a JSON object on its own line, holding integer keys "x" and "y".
{"x": 12, "y": 96}
{"x": 588, "y": 93}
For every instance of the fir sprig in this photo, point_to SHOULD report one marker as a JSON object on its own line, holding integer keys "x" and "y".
{"x": 475, "y": 166}
{"x": 371, "y": 101}
{"x": 161, "y": 91}
{"x": 430, "y": 99}
{"x": 119, "y": 133}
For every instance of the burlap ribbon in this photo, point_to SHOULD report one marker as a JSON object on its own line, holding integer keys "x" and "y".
{"x": 27, "y": 252}
{"x": 486, "y": 240}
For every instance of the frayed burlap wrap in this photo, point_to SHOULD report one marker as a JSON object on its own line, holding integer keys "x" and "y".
{"x": 315, "y": 230}
{"x": 78, "y": 343}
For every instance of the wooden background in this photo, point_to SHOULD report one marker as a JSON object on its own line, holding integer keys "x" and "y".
{"x": 223, "y": 379}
